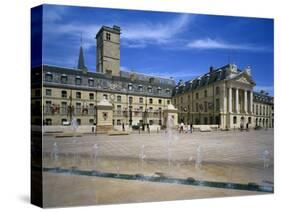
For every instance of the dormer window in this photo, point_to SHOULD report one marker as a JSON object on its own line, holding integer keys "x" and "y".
{"x": 63, "y": 79}
{"x": 49, "y": 77}
{"x": 78, "y": 80}
{"x": 140, "y": 88}
{"x": 159, "y": 90}
{"x": 149, "y": 89}
{"x": 130, "y": 86}
{"x": 168, "y": 91}
{"x": 107, "y": 35}
{"x": 91, "y": 82}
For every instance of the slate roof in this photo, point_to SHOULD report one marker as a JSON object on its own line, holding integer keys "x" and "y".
{"x": 110, "y": 83}
{"x": 227, "y": 72}
{"x": 262, "y": 97}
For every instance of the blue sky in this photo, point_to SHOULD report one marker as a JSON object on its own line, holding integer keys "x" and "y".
{"x": 177, "y": 45}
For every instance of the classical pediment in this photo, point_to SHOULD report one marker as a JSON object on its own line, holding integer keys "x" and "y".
{"x": 244, "y": 78}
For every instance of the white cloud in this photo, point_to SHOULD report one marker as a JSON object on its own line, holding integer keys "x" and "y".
{"x": 54, "y": 14}
{"x": 138, "y": 34}
{"x": 134, "y": 35}
{"x": 209, "y": 43}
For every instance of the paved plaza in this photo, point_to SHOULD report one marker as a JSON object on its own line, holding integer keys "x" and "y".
{"x": 224, "y": 156}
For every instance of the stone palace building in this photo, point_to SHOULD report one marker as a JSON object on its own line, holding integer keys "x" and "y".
{"x": 112, "y": 97}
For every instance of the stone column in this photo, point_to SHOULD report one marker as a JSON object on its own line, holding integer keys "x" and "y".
{"x": 230, "y": 100}
{"x": 245, "y": 101}
{"x": 251, "y": 102}
{"x": 224, "y": 100}
{"x": 237, "y": 100}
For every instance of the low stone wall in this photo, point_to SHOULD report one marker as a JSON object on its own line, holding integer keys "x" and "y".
{"x": 153, "y": 128}
{"x": 67, "y": 129}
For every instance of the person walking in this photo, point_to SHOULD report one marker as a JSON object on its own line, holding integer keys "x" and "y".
{"x": 247, "y": 126}
{"x": 191, "y": 127}
{"x": 148, "y": 129}
{"x": 123, "y": 126}
{"x": 181, "y": 127}
{"x": 94, "y": 129}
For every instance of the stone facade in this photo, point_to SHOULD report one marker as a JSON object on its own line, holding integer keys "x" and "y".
{"x": 223, "y": 96}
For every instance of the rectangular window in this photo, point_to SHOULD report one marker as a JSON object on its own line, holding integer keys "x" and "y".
{"x": 63, "y": 108}
{"x": 141, "y": 100}
{"x": 78, "y": 81}
{"x": 91, "y": 109}
{"x": 119, "y": 99}
{"x": 107, "y": 35}
{"x": 168, "y": 102}
{"x": 91, "y": 82}
{"x": 105, "y": 96}
{"x": 217, "y": 105}
{"x": 64, "y": 94}
{"x": 48, "y": 92}
{"x": 205, "y": 93}
{"x": 160, "y": 101}
{"x": 234, "y": 120}
{"x": 91, "y": 96}
{"x": 78, "y": 95}
{"x": 48, "y": 121}
{"x": 205, "y": 106}
{"x": 150, "y": 101}
{"x": 130, "y": 100}
{"x": 118, "y": 122}
{"x": 197, "y": 95}
{"x": 48, "y": 108}
{"x": 63, "y": 79}
{"x": 78, "y": 108}
{"x": 49, "y": 77}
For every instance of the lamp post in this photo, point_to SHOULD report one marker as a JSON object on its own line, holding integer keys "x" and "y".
{"x": 185, "y": 110}
{"x": 160, "y": 117}
{"x": 70, "y": 107}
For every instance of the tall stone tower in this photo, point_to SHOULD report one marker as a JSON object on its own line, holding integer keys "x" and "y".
{"x": 108, "y": 50}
